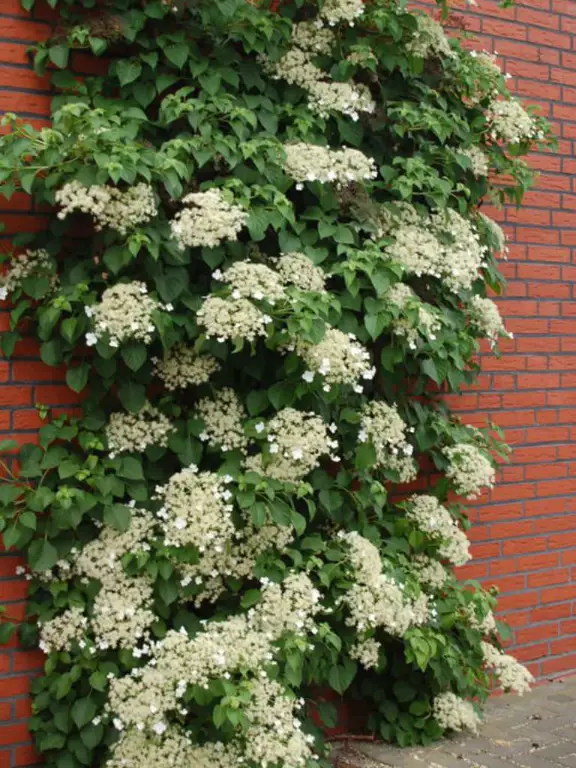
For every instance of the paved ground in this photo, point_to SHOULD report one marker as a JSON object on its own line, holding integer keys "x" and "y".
{"x": 535, "y": 731}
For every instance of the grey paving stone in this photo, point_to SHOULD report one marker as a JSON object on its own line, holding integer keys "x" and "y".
{"x": 536, "y": 731}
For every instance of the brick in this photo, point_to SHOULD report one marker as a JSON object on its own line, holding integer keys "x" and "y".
{"x": 560, "y": 664}
{"x": 26, "y": 756}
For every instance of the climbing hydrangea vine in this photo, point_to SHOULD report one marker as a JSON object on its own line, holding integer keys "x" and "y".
{"x": 266, "y": 262}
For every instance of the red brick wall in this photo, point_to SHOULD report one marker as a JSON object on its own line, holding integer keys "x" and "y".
{"x": 525, "y": 531}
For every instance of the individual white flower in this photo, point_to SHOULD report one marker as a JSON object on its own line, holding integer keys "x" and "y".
{"x": 207, "y": 220}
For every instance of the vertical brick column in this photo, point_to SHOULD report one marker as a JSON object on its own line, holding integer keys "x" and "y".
{"x": 24, "y": 380}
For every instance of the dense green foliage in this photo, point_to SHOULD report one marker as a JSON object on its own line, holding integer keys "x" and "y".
{"x": 191, "y": 99}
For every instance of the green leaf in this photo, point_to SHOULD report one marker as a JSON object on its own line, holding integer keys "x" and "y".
{"x": 83, "y": 711}
{"x": 118, "y": 516}
{"x": 429, "y": 368}
{"x": 257, "y": 401}
{"x": 128, "y": 71}
{"x": 131, "y": 469}
{"x": 365, "y": 457}
{"x": 51, "y": 352}
{"x": 7, "y": 630}
{"x": 77, "y": 378}
{"x": 177, "y": 54}
{"x": 403, "y": 691}
{"x": 98, "y": 45}
{"x": 134, "y": 355}
{"x": 59, "y": 55}
{"x": 42, "y": 555}
{"x": 259, "y": 513}
{"x": 92, "y": 735}
{"x": 341, "y": 675}
{"x": 132, "y": 396}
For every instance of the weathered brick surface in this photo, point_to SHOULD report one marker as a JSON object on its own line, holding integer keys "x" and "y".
{"x": 524, "y": 534}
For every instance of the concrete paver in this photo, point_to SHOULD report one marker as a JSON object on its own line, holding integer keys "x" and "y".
{"x": 535, "y": 731}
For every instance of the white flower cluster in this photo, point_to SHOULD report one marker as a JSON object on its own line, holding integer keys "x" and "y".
{"x": 455, "y": 714}
{"x": 171, "y": 747}
{"x": 297, "y": 269}
{"x": 426, "y": 324}
{"x": 510, "y": 122}
{"x": 324, "y": 95}
{"x": 311, "y": 162}
{"x": 512, "y": 675}
{"x": 485, "y": 317}
{"x": 336, "y": 11}
{"x": 431, "y": 574}
{"x": 232, "y": 319}
{"x": 479, "y": 161}
{"x": 144, "y": 699}
{"x": 443, "y": 245}
{"x": 222, "y": 419}
{"x": 121, "y": 614}
{"x": 429, "y": 39}
{"x": 124, "y": 312}
{"x": 297, "y": 440}
{"x": 109, "y": 206}
{"x": 382, "y": 427}
{"x": 181, "y": 367}
{"x": 367, "y": 652}
{"x": 134, "y": 432}
{"x": 486, "y": 625}
{"x": 237, "y": 560}
{"x": 469, "y": 469}
{"x": 23, "y": 265}
{"x": 253, "y": 281}
{"x": 433, "y": 519}
{"x": 338, "y": 358}
{"x": 207, "y": 220}
{"x": 479, "y": 75}
{"x": 275, "y": 736}
{"x": 195, "y": 511}
{"x": 375, "y": 599}
{"x": 59, "y": 633}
